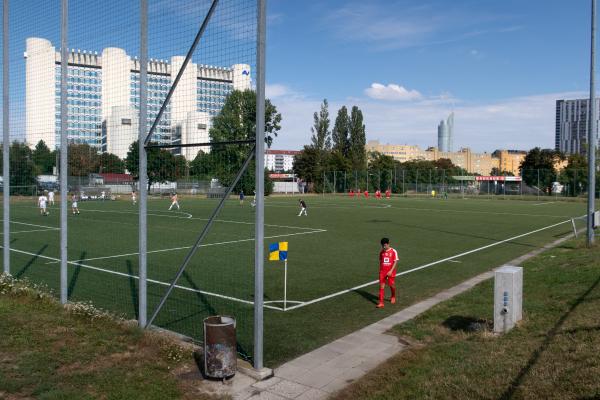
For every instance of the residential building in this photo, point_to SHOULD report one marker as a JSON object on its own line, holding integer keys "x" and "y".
{"x": 280, "y": 160}
{"x": 571, "y": 125}
{"x": 103, "y": 98}
{"x": 510, "y": 160}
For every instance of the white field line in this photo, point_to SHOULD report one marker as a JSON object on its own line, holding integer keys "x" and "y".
{"x": 544, "y": 202}
{"x": 202, "y": 245}
{"x": 442, "y": 210}
{"x": 34, "y": 230}
{"x": 122, "y": 274}
{"x": 425, "y": 266}
{"x": 35, "y": 225}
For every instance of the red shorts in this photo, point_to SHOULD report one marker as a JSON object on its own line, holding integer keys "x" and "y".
{"x": 383, "y": 278}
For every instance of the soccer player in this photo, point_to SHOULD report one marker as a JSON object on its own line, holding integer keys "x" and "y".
{"x": 366, "y": 193}
{"x": 51, "y": 197}
{"x": 42, "y": 202}
{"x": 133, "y": 197}
{"x": 388, "y": 258}
{"x": 351, "y": 193}
{"x": 241, "y": 197}
{"x": 302, "y": 208}
{"x": 74, "y": 206}
{"x": 388, "y": 193}
{"x": 378, "y": 194}
{"x": 103, "y": 195}
{"x": 174, "y": 201}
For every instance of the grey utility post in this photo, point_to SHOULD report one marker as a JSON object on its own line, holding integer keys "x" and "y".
{"x": 260, "y": 188}
{"x": 6, "y": 139}
{"x": 508, "y": 298}
{"x": 592, "y": 137}
{"x": 64, "y": 65}
{"x": 143, "y": 176}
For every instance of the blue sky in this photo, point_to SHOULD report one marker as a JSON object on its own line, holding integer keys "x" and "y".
{"x": 500, "y": 65}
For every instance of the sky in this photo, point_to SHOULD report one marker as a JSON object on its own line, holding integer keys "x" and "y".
{"x": 499, "y": 65}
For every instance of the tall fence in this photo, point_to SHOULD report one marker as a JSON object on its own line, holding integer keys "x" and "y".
{"x": 120, "y": 153}
{"x": 566, "y": 183}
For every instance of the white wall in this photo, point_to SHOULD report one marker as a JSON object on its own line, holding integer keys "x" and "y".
{"x": 241, "y": 77}
{"x": 119, "y": 135}
{"x": 40, "y": 98}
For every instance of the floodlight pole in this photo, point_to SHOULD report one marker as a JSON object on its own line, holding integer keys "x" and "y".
{"x": 142, "y": 168}
{"x": 64, "y": 68}
{"x": 592, "y": 137}
{"x": 260, "y": 186}
{"x": 6, "y": 140}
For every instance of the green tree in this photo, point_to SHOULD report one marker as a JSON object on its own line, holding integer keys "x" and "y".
{"x": 321, "y": 136}
{"x": 305, "y": 164}
{"x": 23, "y": 171}
{"x": 341, "y": 133}
{"x": 358, "y": 140}
{"x": 110, "y": 163}
{"x": 44, "y": 159}
{"x": 575, "y": 175}
{"x": 82, "y": 159}
{"x": 161, "y": 164}
{"x": 538, "y": 168}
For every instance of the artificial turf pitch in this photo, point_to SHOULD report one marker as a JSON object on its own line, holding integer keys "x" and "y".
{"x": 333, "y": 249}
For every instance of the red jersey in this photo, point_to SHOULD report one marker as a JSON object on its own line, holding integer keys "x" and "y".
{"x": 387, "y": 258}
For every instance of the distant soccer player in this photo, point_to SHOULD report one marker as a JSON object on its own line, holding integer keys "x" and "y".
{"x": 366, "y": 193}
{"x": 388, "y": 258}
{"x": 174, "y": 201}
{"x": 74, "y": 206}
{"x": 133, "y": 197}
{"x": 51, "y": 197}
{"x": 103, "y": 195}
{"x": 241, "y": 197}
{"x": 302, "y": 208}
{"x": 388, "y": 193}
{"x": 42, "y": 203}
{"x": 378, "y": 194}
{"x": 351, "y": 193}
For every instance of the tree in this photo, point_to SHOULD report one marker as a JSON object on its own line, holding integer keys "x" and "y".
{"x": 357, "y": 140}
{"x": 110, "y": 163}
{"x": 305, "y": 163}
{"x": 538, "y": 168}
{"x": 341, "y": 133}
{"x": 574, "y": 176}
{"x": 161, "y": 164}
{"x": 43, "y": 158}
{"x": 237, "y": 121}
{"x": 82, "y": 159}
{"x": 23, "y": 171}
{"x": 321, "y": 138}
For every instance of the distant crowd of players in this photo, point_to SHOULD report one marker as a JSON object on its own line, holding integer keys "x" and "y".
{"x": 352, "y": 193}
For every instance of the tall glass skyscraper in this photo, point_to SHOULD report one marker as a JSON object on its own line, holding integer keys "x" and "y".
{"x": 103, "y": 98}
{"x": 446, "y": 134}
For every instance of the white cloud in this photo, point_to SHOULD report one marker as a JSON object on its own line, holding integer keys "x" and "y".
{"x": 275, "y": 90}
{"x": 391, "y": 92}
{"x": 514, "y": 123}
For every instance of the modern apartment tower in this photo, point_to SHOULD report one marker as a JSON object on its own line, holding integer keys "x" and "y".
{"x": 446, "y": 134}
{"x": 572, "y": 125}
{"x": 103, "y": 98}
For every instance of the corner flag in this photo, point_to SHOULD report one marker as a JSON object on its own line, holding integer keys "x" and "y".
{"x": 278, "y": 251}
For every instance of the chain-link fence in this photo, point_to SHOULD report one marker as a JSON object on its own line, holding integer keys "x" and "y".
{"x": 101, "y": 91}
{"x": 566, "y": 183}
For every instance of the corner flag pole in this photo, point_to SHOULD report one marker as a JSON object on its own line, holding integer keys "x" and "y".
{"x": 285, "y": 286}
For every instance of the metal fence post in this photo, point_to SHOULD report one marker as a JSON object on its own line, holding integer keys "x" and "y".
{"x": 142, "y": 168}
{"x": 592, "y": 137}
{"x": 64, "y": 67}
{"x": 6, "y": 139}
{"x": 260, "y": 184}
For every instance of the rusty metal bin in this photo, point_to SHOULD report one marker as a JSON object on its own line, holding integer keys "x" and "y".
{"x": 220, "y": 355}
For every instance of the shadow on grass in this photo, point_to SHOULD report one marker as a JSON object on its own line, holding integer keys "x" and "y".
{"x": 518, "y": 380}
{"x": 134, "y": 290}
{"x": 75, "y": 276}
{"x": 368, "y": 296}
{"x": 30, "y": 262}
{"x": 467, "y": 324}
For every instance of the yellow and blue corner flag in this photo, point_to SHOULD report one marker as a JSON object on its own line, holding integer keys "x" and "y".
{"x": 278, "y": 251}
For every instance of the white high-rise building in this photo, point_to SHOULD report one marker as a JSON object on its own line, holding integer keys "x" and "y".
{"x": 103, "y": 98}
{"x": 571, "y": 129}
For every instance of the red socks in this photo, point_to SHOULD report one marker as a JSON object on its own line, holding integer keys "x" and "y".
{"x": 381, "y": 292}
{"x": 393, "y": 288}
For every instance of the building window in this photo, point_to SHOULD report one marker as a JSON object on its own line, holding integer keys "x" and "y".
{"x": 125, "y": 121}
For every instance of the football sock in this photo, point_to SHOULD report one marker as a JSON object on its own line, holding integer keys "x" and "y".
{"x": 381, "y": 292}
{"x": 393, "y": 288}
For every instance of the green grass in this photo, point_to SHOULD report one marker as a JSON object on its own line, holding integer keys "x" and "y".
{"x": 334, "y": 248}
{"x": 49, "y": 353}
{"x": 553, "y": 353}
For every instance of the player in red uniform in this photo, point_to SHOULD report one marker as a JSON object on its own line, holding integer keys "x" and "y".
{"x": 388, "y": 258}
{"x": 351, "y": 193}
{"x": 378, "y": 194}
{"x": 388, "y": 193}
{"x": 366, "y": 193}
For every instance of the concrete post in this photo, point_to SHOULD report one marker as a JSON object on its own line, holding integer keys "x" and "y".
{"x": 508, "y": 298}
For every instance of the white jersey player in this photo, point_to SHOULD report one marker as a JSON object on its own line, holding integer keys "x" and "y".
{"x": 51, "y": 197}
{"x": 74, "y": 206}
{"x": 43, "y": 203}
{"x": 133, "y": 197}
{"x": 174, "y": 201}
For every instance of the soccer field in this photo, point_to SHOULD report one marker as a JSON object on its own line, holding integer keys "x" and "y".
{"x": 333, "y": 257}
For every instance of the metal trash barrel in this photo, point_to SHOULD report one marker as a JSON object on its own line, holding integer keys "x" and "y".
{"x": 220, "y": 355}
